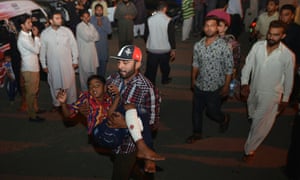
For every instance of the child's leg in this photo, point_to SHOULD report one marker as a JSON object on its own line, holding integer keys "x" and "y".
{"x": 135, "y": 127}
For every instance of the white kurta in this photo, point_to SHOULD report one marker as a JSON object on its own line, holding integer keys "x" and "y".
{"x": 87, "y": 35}
{"x": 58, "y": 53}
{"x": 271, "y": 82}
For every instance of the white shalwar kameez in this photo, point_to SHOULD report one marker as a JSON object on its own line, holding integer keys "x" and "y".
{"x": 271, "y": 83}
{"x": 58, "y": 53}
{"x": 87, "y": 35}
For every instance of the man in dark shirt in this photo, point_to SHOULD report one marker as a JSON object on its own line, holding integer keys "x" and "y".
{"x": 292, "y": 39}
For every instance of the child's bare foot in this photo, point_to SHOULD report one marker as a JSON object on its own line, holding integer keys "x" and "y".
{"x": 144, "y": 152}
{"x": 150, "y": 166}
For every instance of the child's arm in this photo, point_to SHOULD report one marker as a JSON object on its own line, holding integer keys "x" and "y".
{"x": 114, "y": 91}
{"x": 62, "y": 97}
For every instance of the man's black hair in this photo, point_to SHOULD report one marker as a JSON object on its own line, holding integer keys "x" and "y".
{"x": 84, "y": 12}
{"x": 275, "y": 1}
{"x": 278, "y": 24}
{"x": 290, "y": 7}
{"x": 215, "y": 18}
{"x": 23, "y": 18}
{"x": 55, "y": 12}
{"x": 92, "y": 77}
{"x": 161, "y": 5}
{"x": 98, "y": 5}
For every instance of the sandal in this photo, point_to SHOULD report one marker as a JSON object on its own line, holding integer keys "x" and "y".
{"x": 193, "y": 138}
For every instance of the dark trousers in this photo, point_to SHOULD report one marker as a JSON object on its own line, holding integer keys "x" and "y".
{"x": 153, "y": 60}
{"x": 11, "y": 88}
{"x": 293, "y": 158}
{"x": 236, "y": 25}
{"x": 123, "y": 165}
{"x": 209, "y": 100}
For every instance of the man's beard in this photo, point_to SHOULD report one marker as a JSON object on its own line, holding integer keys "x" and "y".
{"x": 209, "y": 35}
{"x": 128, "y": 74}
{"x": 271, "y": 43}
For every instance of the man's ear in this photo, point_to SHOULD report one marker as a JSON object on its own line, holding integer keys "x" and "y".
{"x": 283, "y": 36}
{"x": 226, "y": 28}
{"x": 138, "y": 65}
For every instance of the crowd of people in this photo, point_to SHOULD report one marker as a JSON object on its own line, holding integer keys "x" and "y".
{"x": 123, "y": 109}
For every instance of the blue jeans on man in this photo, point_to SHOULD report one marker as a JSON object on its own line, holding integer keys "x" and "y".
{"x": 211, "y": 101}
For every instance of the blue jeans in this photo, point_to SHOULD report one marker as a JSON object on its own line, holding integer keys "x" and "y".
{"x": 209, "y": 100}
{"x": 107, "y": 137}
{"x": 11, "y": 88}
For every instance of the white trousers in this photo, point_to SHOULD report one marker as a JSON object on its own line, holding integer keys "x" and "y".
{"x": 186, "y": 28}
{"x": 71, "y": 93}
{"x": 83, "y": 77}
{"x": 262, "y": 108}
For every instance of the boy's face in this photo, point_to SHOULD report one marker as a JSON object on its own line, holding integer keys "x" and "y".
{"x": 222, "y": 27}
{"x": 96, "y": 88}
{"x": 271, "y": 6}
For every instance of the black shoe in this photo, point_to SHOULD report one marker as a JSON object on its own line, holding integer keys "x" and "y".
{"x": 56, "y": 109}
{"x": 193, "y": 138}
{"x": 36, "y": 119}
{"x": 166, "y": 81}
{"x": 40, "y": 111}
{"x": 224, "y": 126}
{"x": 247, "y": 158}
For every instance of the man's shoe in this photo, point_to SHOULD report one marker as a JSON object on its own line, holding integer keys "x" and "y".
{"x": 224, "y": 126}
{"x": 36, "y": 119}
{"x": 40, "y": 111}
{"x": 55, "y": 109}
{"x": 166, "y": 81}
{"x": 193, "y": 138}
{"x": 247, "y": 158}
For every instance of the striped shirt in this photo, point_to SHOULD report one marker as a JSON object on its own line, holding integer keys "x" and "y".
{"x": 98, "y": 110}
{"x": 187, "y": 9}
{"x": 140, "y": 92}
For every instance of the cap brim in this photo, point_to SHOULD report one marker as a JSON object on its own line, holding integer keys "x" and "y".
{"x": 120, "y": 58}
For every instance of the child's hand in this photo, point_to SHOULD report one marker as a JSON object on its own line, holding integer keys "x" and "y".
{"x": 62, "y": 96}
{"x": 114, "y": 90}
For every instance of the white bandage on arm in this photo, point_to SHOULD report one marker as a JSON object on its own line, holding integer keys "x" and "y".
{"x": 134, "y": 124}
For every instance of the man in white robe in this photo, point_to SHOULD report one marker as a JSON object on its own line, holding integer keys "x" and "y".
{"x": 269, "y": 69}
{"x": 59, "y": 58}
{"x": 87, "y": 35}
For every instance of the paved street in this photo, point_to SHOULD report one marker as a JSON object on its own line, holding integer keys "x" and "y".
{"x": 58, "y": 150}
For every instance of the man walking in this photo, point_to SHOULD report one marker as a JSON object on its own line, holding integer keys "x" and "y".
{"x": 59, "y": 58}
{"x": 160, "y": 44}
{"x": 270, "y": 66}
{"x": 138, "y": 90}
{"x": 211, "y": 75}
{"x": 188, "y": 15}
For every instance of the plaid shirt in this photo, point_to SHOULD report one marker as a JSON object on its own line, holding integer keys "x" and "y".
{"x": 140, "y": 92}
{"x": 98, "y": 110}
